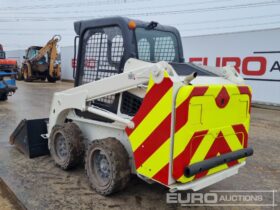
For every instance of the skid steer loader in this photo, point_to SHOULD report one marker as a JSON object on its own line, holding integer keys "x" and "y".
{"x": 137, "y": 108}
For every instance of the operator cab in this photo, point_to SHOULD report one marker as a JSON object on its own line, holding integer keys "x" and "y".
{"x": 106, "y": 44}
{"x": 33, "y": 52}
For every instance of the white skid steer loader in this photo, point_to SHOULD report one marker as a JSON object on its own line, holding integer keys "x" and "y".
{"x": 137, "y": 108}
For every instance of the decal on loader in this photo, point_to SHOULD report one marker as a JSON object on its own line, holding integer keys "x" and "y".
{"x": 210, "y": 121}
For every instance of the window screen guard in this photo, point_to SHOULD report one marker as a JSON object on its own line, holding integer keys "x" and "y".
{"x": 103, "y": 52}
{"x": 155, "y": 45}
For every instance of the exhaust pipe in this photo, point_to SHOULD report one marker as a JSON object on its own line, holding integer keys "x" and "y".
{"x": 189, "y": 78}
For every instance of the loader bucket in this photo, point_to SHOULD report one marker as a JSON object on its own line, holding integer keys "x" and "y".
{"x": 27, "y": 137}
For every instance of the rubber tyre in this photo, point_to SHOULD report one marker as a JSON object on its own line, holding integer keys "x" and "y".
{"x": 25, "y": 74}
{"x": 118, "y": 163}
{"x": 43, "y": 78}
{"x": 75, "y": 147}
{"x": 51, "y": 79}
{"x": 19, "y": 76}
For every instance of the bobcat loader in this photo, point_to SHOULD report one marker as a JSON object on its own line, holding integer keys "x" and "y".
{"x": 138, "y": 108}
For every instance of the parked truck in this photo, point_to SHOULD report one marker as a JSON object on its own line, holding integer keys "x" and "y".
{"x": 8, "y": 72}
{"x": 7, "y": 65}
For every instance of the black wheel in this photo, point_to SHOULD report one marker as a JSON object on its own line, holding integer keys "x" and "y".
{"x": 66, "y": 145}
{"x": 107, "y": 166}
{"x": 19, "y": 75}
{"x": 51, "y": 79}
{"x": 3, "y": 97}
{"x": 24, "y": 71}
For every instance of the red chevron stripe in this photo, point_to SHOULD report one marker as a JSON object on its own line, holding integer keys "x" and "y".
{"x": 246, "y": 90}
{"x": 221, "y": 146}
{"x": 182, "y": 114}
{"x": 241, "y": 134}
{"x": 153, "y": 142}
{"x": 150, "y": 100}
{"x": 162, "y": 132}
{"x": 162, "y": 175}
{"x": 184, "y": 157}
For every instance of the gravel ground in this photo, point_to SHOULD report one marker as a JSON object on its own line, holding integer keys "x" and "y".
{"x": 39, "y": 184}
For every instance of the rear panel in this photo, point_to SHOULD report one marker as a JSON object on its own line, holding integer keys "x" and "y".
{"x": 213, "y": 120}
{"x": 210, "y": 120}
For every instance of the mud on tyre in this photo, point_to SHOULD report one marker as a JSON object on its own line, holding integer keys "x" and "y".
{"x": 66, "y": 145}
{"x": 107, "y": 166}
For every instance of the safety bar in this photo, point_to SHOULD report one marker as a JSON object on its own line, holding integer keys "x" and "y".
{"x": 216, "y": 161}
{"x": 111, "y": 116}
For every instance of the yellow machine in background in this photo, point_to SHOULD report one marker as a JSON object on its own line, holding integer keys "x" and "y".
{"x": 41, "y": 62}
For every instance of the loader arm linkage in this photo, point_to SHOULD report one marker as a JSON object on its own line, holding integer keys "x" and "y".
{"x": 77, "y": 98}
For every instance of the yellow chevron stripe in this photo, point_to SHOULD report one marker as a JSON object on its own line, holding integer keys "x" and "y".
{"x": 151, "y": 81}
{"x": 206, "y": 144}
{"x": 156, "y": 161}
{"x": 231, "y": 139}
{"x": 213, "y": 91}
{"x": 213, "y": 113}
{"x": 187, "y": 131}
{"x": 200, "y": 154}
{"x": 152, "y": 120}
{"x": 161, "y": 157}
{"x": 150, "y": 84}
{"x": 217, "y": 169}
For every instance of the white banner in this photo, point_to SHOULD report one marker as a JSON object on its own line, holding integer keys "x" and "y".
{"x": 255, "y": 55}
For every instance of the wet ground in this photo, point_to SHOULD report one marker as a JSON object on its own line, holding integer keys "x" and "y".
{"x": 8, "y": 200}
{"x": 39, "y": 184}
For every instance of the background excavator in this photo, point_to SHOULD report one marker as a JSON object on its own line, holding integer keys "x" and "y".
{"x": 41, "y": 62}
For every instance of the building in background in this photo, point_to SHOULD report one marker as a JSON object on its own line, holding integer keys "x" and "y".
{"x": 242, "y": 33}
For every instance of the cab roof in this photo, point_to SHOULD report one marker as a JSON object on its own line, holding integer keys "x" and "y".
{"x": 80, "y": 26}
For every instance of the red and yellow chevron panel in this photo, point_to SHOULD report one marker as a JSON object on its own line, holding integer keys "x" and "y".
{"x": 218, "y": 123}
{"x": 210, "y": 120}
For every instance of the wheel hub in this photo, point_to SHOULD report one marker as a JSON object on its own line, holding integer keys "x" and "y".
{"x": 61, "y": 148}
{"x": 101, "y": 167}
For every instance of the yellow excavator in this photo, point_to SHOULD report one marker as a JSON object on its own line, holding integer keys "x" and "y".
{"x": 41, "y": 63}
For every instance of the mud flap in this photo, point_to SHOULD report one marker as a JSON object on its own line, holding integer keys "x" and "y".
{"x": 27, "y": 137}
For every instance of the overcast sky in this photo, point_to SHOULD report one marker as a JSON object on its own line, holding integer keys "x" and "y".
{"x": 33, "y": 22}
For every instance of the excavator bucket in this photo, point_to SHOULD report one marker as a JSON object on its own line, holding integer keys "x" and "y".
{"x": 27, "y": 137}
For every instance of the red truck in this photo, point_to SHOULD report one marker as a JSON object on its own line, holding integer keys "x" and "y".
{"x": 7, "y": 65}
